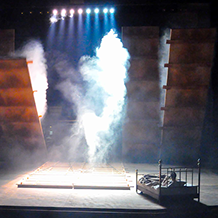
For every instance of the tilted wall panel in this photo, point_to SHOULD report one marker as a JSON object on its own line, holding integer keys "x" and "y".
{"x": 189, "y": 68}
{"x": 19, "y": 122}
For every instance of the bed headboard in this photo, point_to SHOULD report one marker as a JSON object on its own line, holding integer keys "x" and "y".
{"x": 185, "y": 174}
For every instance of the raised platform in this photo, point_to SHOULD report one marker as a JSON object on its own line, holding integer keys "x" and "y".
{"x": 77, "y": 176}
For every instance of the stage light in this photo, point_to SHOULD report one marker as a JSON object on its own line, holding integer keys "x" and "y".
{"x": 72, "y": 12}
{"x": 53, "y": 19}
{"x": 88, "y": 10}
{"x": 96, "y": 10}
{"x": 105, "y": 10}
{"x": 112, "y": 10}
{"x": 55, "y": 12}
{"x": 63, "y": 13}
{"x": 80, "y": 11}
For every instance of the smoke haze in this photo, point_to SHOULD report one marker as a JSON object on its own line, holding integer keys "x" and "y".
{"x": 33, "y": 51}
{"x": 99, "y": 99}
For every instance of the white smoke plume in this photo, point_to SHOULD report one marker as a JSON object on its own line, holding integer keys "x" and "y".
{"x": 105, "y": 75}
{"x": 33, "y": 51}
{"x": 100, "y": 99}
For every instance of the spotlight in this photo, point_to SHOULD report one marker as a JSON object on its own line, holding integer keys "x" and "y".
{"x": 72, "y": 12}
{"x": 55, "y": 12}
{"x": 88, "y": 10}
{"x": 112, "y": 10}
{"x": 53, "y": 19}
{"x": 63, "y": 13}
{"x": 105, "y": 10}
{"x": 96, "y": 10}
{"x": 80, "y": 11}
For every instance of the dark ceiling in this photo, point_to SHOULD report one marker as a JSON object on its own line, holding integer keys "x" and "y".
{"x": 45, "y": 3}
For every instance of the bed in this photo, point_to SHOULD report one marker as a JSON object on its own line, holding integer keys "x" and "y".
{"x": 162, "y": 186}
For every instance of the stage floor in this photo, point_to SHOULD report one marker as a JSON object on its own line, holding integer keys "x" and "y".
{"x": 11, "y": 195}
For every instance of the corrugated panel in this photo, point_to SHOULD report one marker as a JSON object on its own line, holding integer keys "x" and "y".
{"x": 197, "y": 35}
{"x": 181, "y": 97}
{"x": 143, "y": 69}
{"x": 143, "y": 91}
{"x": 140, "y": 110}
{"x": 188, "y": 75}
{"x": 141, "y": 134}
{"x": 189, "y": 53}
{"x": 190, "y": 61}
{"x": 141, "y": 131}
{"x": 19, "y": 120}
{"x": 184, "y": 116}
{"x": 147, "y": 48}
{"x": 139, "y": 152}
{"x": 182, "y": 137}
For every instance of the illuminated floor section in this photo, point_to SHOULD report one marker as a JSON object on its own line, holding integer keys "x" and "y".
{"x": 78, "y": 176}
{"x": 10, "y": 195}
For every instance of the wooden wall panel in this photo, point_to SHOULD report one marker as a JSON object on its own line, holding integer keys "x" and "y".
{"x": 189, "y": 69}
{"x": 188, "y": 75}
{"x": 143, "y": 69}
{"x": 143, "y": 91}
{"x": 141, "y": 133}
{"x": 189, "y": 53}
{"x": 178, "y": 97}
{"x": 19, "y": 122}
{"x": 137, "y": 110}
{"x": 196, "y": 35}
{"x": 188, "y": 116}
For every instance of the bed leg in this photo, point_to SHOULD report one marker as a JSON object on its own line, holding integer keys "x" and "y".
{"x": 199, "y": 178}
{"x": 160, "y": 172}
{"x": 136, "y": 186}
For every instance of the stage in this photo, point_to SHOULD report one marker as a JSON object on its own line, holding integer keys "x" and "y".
{"x": 101, "y": 201}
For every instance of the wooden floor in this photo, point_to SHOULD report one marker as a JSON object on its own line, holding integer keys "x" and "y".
{"x": 95, "y": 199}
{"x": 77, "y": 176}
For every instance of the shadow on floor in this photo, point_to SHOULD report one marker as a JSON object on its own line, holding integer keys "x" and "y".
{"x": 185, "y": 208}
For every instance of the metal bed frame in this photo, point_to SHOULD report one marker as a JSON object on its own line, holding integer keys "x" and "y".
{"x": 190, "y": 176}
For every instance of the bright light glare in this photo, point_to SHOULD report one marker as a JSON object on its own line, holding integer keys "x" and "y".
{"x": 88, "y": 11}
{"x": 105, "y": 10}
{"x": 96, "y": 10}
{"x": 80, "y": 11}
{"x": 55, "y": 12}
{"x": 112, "y": 10}
{"x": 72, "y": 12}
{"x": 109, "y": 76}
{"x": 53, "y": 19}
{"x": 34, "y": 51}
{"x": 61, "y": 176}
{"x": 63, "y": 12}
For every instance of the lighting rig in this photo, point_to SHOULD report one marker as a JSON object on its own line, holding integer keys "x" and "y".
{"x": 58, "y": 14}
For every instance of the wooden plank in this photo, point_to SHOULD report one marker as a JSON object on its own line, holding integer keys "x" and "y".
{"x": 19, "y": 119}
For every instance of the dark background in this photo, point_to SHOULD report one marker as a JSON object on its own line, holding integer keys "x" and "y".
{"x": 128, "y": 13}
